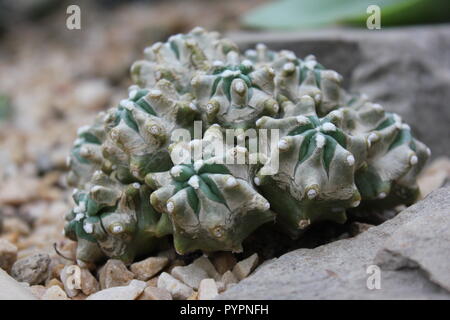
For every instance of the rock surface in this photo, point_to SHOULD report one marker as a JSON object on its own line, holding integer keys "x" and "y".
{"x": 339, "y": 270}
{"x": 405, "y": 69}
{"x": 147, "y": 268}
{"x": 33, "y": 269}
{"x": 10, "y": 289}
{"x": 207, "y": 289}
{"x": 55, "y": 293}
{"x": 114, "y": 274}
{"x": 153, "y": 293}
{"x": 8, "y": 254}
{"x": 243, "y": 268}
{"x": 176, "y": 288}
{"x": 191, "y": 275}
{"x": 129, "y": 292}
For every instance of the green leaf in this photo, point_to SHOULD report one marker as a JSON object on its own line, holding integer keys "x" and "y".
{"x": 298, "y": 14}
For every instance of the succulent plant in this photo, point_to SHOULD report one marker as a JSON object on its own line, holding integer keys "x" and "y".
{"x": 140, "y": 176}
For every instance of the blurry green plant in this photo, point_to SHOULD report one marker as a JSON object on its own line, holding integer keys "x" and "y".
{"x": 5, "y": 108}
{"x": 302, "y": 14}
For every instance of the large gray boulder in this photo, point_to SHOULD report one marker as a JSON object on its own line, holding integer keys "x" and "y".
{"x": 411, "y": 250}
{"x": 407, "y": 70}
{"x": 10, "y": 289}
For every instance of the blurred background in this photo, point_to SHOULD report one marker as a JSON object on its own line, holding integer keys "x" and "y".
{"x": 54, "y": 80}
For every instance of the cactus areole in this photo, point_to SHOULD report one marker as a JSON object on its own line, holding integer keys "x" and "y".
{"x": 139, "y": 177}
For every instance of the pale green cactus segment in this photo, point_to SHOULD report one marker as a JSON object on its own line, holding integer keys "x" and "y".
{"x": 86, "y": 156}
{"x": 316, "y": 171}
{"x": 114, "y": 220}
{"x": 139, "y": 179}
{"x": 235, "y": 95}
{"x": 212, "y": 205}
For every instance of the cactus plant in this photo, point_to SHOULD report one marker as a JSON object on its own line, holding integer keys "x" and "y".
{"x": 141, "y": 177}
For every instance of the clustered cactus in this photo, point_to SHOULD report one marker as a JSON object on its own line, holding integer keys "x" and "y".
{"x": 333, "y": 151}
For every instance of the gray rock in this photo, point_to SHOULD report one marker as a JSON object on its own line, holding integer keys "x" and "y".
{"x": 177, "y": 289}
{"x": 32, "y": 269}
{"x": 407, "y": 70}
{"x": 114, "y": 274}
{"x": 8, "y": 254}
{"x": 10, "y": 289}
{"x": 423, "y": 243}
{"x": 129, "y": 292}
{"x": 339, "y": 270}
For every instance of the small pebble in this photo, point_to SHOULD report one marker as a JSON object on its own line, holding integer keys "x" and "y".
{"x": 243, "y": 268}
{"x": 129, "y": 292}
{"x": 207, "y": 290}
{"x": 176, "y": 288}
{"x": 153, "y": 293}
{"x": 114, "y": 274}
{"x": 147, "y": 268}
{"x": 55, "y": 293}
{"x": 8, "y": 255}
{"x": 32, "y": 269}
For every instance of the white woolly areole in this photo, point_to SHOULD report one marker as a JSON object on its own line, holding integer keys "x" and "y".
{"x": 239, "y": 86}
{"x": 328, "y": 126}
{"x": 312, "y": 193}
{"x": 261, "y": 46}
{"x": 82, "y": 129}
{"x": 95, "y": 188}
{"x": 127, "y": 104}
{"x": 283, "y": 144}
{"x": 194, "y": 182}
{"x": 79, "y": 216}
{"x": 155, "y": 93}
{"x": 318, "y": 97}
{"x": 310, "y": 64}
{"x": 372, "y": 138}
{"x": 194, "y": 143}
{"x": 250, "y": 53}
{"x": 355, "y": 203}
{"x": 350, "y": 160}
{"x": 82, "y": 206}
{"x": 257, "y": 181}
{"x": 231, "y": 182}
{"x": 88, "y": 228}
{"x": 302, "y": 120}
{"x": 382, "y": 195}
{"x": 170, "y": 206}
{"x": 247, "y": 63}
{"x": 210, "y": 108}
{"x": 289, "y": 67}
{"x": 176, "y": 171}
{"x": 377, "y": 107}
{"x": 217, "y": 63}
{"x": 132, "y": 94}
{"x": 154, "y": 129}
{"x": 336, "y": 114}
{"x": 198, "y": 164}
{"x": 320, "y": 141}
{"x": 229, "y": 73}
{"x": 192, "y": 106}
{"x": 413, "y": 160}
{"x": 117, "y": 228}
{"x": 136, "y": 185}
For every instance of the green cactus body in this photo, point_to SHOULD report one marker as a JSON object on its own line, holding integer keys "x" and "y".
{"x": 138, "y": 181}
